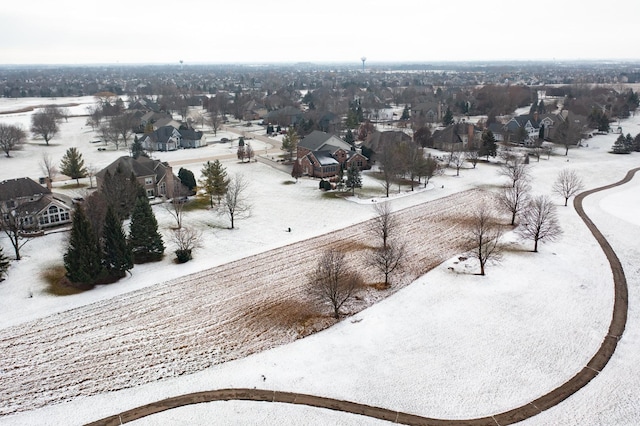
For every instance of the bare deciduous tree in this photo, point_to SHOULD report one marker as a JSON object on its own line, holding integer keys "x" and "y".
{"x": 456, "y": 160}
{"x": 11, "y": 137}
{"x": 387, "y": 259}
{"x": 45, "y": 123}
{"x": 472, "y": 155}
{"x": 235, "y": 202}
{"x": 569, "y": 134}
{"x": 95, "y": 116}
{"x": 567, "y": 184}
{"x": 515, "y": 169}
{"x": 13, "y": 222}
{"x": 432, "y": 168}
{"x": 48, "y": 167}
{"x": 513, "y": 199}
{"x": 383, "y": 223}
{"x": 215, "y": 121}
{"x": 175, "y": 206}
{"x": 109, "y": 134}
{"x": 123, "y": 125}
{"x": 186, "y": 241}
{"x": 539, "y": 221}
{"x": 333, "y": 281}
{"x": 485, "y": 234}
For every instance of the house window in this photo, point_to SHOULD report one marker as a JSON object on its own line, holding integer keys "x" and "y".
{"x": 163, "y": 188}
{"x": 53, "y": 215}
{"x": 11, "y": 204}
{"x": 150, "y": 193}
{"x": 148, "y": 181}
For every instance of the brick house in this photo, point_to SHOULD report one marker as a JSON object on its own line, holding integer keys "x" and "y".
{"x": 322, "y": 155}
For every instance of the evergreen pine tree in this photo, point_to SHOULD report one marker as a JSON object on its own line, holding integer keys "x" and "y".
{"x": 117, "y": 258}
{"x": 72, "y": 165}
{"x": 214, "y": 180}
{"x": 145, "y": 241}
{"x": 4, "y": 264}
{"x": 405, "y": 113}
{"x": 488, "y": 147}
{"x": 187, "y": 178}
{"x": 619, "y": 146}
{"x": 137, "y": 149}
{"x": 349, "y": 138}
{"x": 354, "y": 178}
{"x": 82, "y": 259}
{"x": 448, "y": 117}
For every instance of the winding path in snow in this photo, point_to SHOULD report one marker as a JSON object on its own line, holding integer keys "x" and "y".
{"x": 551, "y": 399}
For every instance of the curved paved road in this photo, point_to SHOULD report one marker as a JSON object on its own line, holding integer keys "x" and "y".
{"x": 551, "y": 399}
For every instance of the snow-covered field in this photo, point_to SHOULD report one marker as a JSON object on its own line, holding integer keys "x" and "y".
{"x": 450, "y": 345}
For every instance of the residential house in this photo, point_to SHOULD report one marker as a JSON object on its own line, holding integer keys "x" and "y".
{"x": 252, "y": 110}
{"x": 190, "y": 138}
{"x": 166, "y": 138}
{"x": 322, "y": 155}
{"x": 155, "y": 177}
{"x": 457, "y": 137}
{"x": 540, "y": 126}
{"x": 287, "y": 116}
{"x": 377, "y": 140}
{"x": 35, "y": 204}
{"x": 431, "y": 112}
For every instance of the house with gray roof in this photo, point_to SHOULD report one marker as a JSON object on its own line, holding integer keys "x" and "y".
{"x": 323, "y": 155}
{"x": 154, "y": 176}
{"x": 169, "y": 138}
{"x": 35, "y": 205}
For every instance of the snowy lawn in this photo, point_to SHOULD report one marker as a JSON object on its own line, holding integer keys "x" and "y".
{"x": 450, "y": 345}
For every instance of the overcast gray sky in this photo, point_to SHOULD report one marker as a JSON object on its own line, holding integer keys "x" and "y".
{"x": 196, "y": 31}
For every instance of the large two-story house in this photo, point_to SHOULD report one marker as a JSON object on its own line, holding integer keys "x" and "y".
{"x": 322, "y": 155}
{"x": 34, "y": 205}
{"x": 170, "y": 138}
{"x": 154, "y": 176}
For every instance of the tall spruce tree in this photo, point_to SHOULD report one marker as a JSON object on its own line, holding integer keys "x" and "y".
{"x": 214, "y": 180}
{"x": 145, "y": 241}
{"x": 4, "y": 264}
{"x": 448, "y": 117}
{"x": 187, "y": 178}
{"x": 354, "y": 178}
{"x": 72, "y": 165}
{"x": 488, "y": 147}
{"x": 117, "y": 258}
{"x": 82, "y": 259}
{"x": 120, "y": 191}
{"x": 137, "y": 150}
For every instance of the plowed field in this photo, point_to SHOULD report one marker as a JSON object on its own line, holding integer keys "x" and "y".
{"x": 225, "y": 313}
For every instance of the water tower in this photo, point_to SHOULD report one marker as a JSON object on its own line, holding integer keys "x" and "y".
{"x": 363, "y": 59}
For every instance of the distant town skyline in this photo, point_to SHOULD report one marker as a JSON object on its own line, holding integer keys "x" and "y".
{"x": 126, "y": 32}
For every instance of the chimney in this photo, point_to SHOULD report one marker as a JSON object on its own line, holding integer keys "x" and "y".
{"x": 470, "y": 135}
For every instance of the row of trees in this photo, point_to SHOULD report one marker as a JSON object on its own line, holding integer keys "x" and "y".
{"x": 536, "y": 214}
{"x": 106, "y": 254}
{"x": 626, "y": 144}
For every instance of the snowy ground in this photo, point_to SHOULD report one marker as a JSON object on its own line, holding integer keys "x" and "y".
{"x": 450, "y": 345}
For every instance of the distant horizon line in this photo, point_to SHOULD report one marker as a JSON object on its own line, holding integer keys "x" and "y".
{"x": 357, "y": 64}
